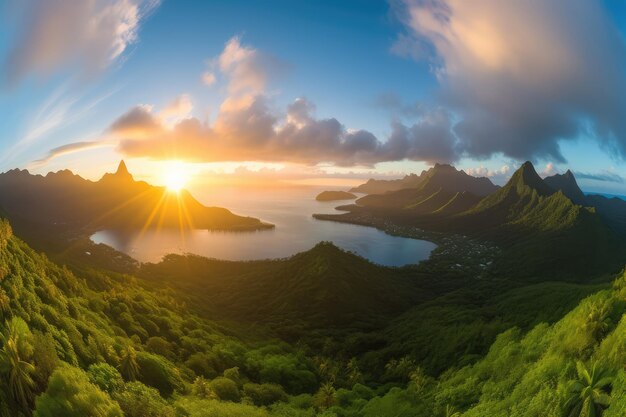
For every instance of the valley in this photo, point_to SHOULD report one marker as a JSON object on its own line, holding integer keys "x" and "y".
{"x": 323, "y": 331}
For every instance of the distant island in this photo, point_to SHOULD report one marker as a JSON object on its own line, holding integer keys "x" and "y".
{"x": 335, "y": 196}
{"x": 374, "y": 186}
{"x": 62, "y": 202}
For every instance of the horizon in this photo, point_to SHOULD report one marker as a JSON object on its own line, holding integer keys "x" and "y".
{"x": 380, "y": 90}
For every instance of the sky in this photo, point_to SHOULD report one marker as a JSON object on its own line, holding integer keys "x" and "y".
{"x": 327, "y": 89}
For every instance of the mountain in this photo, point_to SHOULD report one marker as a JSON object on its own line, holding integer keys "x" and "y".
{"x": 373, "y": 186}
{"x": 334, "y": 196}
{"x": 324, "y": 285}
{"x": 541, "y": 228}
{"x": 65, "y": 202}
{"x": 612, "y": 210}
{"x": 568, "y": 185}
{"x": 443, "y": 189}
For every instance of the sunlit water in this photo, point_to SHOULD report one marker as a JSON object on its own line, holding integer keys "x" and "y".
{"x": 290, "y": 209}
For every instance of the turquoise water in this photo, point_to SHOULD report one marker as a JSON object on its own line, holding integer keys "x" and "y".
{"x": 290, "y": 209}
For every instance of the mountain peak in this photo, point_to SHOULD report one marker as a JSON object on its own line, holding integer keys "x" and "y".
{"x": 122, "y": 169}
{"x": 121, "y": 174}
{"x": 568, "y": 185}
{"x": 526, "y": 175}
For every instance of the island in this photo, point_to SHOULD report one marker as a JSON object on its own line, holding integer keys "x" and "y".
{"x": 334, "y": 196}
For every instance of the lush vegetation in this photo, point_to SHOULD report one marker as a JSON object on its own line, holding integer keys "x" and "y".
{"x": 323, "y": 333}
{"x": 100, "y": 343}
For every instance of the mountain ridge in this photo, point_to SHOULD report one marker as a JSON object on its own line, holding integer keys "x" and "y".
{"x": 439, "y": 186}
{"x": 64, "y": 201}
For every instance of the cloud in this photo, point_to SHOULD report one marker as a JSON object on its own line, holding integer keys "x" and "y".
{"x": 255, "y": 133}
{"x": 600, "y": 176}
{"x": 481, "y": 171}
{"x": 90, "y": 34}
{"x": 137, "y": 122}
{"x": 247, "y": 128}
{"x": 178, "y": 108}
{"x": 521, "y": 76}
{"x": 208, "y": 78}
{"x": 498, "y": 176}
{"x": 548, "y": 170}
{"x": 69, "y": 148}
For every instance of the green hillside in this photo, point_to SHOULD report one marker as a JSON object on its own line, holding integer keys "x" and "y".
{"x": 542, "y": 231}
{"x": 194, "y": 337}
{"x": 324, "y": 286}
{"x": 573, "y": 367}
{"x": 441, "y": 186}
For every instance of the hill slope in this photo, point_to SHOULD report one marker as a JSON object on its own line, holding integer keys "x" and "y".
{"x": 324, "y": 285}
{"x": 568, "y": 185}
{"x": 441, "y": 186}
{"x": 334, "y": 196}
{"x": 542, "y": 227}
{"x": 373, "y": 186}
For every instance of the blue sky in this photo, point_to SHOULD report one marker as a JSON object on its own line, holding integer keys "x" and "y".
{"x": 342, "y": 56}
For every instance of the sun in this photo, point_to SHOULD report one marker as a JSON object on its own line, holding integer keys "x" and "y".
{"x": 175, "y": 177}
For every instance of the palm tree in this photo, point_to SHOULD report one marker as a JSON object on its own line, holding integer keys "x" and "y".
{"x": 451, "y": 412}
{"x": 325, "y": 396}
{"x": 128, "y": 363}
{"x": 353, "y": 372}
{"x": 589, "y": 394}
{"x": 14, "y": 364}
{"x": 597, "y": 321}
{"x": 5, "y": 302}
{"x": 419, "y": 379}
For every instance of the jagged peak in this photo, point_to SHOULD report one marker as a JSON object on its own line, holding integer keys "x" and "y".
{"x": 122, "y": 169}
{"x": 443, "y": 167}
{"x": 526, "y": 175}
{"x": 121, "y": 173}
{"x": 568, "y": 185}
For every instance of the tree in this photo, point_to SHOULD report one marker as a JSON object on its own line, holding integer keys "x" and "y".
{"x": 353, "y": 372}
{"x": 202, "y": 389}
{"x": 5, "y": 302}
{"x": 326, "y": 396}
{"x": 14, "y": 362}
{"x": 419, "y": 379}
{"x": 589, "y": 394}
{"x": 129, "y": 367}
{"x": 139, "y": 400}
{"x": 226, "y": 389}
{"x": 106, "y": 377}
{"x": 70, "y": 394}
{"x": 451, "y": 412}
{"x": 264, "y": 394}
{"x": 597, "y": 321}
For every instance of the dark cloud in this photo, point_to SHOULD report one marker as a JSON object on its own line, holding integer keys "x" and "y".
{"x": 522, "y": 76}
{"x": 253, "y": 132}
{"x": 600, "y": 176}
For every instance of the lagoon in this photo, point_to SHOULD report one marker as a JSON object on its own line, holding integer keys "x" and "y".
{"x": 290, "y": 209}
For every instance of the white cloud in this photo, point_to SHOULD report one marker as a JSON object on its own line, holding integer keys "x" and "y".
{"x": 178, "y": 109}
{"x": 549, "y": 170}
{"x": 522, "y": 75}
{"x": 89, "y": 34}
